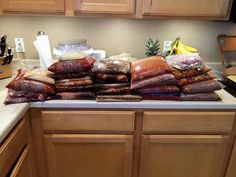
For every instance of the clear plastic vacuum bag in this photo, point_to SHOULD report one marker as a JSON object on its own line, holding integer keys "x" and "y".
{"x": 108, "y": 66}
{"x": 21, "y": 84}
{"x": 154, "y": 81}
{"x": 186, "y": 61}
{"x": 149, "y": 67}
{"x": 72, "y": 66}
{"x": 200, "y": 97}
{"x": 202, "y": 87}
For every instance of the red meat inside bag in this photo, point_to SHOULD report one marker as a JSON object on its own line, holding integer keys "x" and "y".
{"x": 72, "y": 66}
{"x": 149, "y": 67}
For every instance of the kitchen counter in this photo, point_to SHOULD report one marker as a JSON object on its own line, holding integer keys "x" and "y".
{"x": 228, "y": 102}
{"x": 10, "y": 114}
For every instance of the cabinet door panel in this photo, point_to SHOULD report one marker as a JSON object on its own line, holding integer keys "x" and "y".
{"x": 33, "y": 5}
{"x": 231, "y": 172}
{"x": 83, "y": 121}
{"x": 11, "y": 149}
{"x": 89, "y": 155}
{"x": 22, "y": 167}
{"x": 105, "y": 6}
{"x": 183, "y": 155}
{"x": 188, "y": 122}
{"x": 207, "y": 8}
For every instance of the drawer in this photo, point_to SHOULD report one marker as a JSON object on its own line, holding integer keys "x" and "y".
{"x": 188, "y": 122}
{"x": 86, "y": 121}
{"x": 12, "y": 147}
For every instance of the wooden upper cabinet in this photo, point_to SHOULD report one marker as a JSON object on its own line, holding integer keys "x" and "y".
{"x": 105, "y": 6}
{"x": 209, "y": 9}
{"x": 231, "y": 172}
{"x": 53, "y": 6}
{"x": 183, "y": 155}
{"x": 82, "y": 155}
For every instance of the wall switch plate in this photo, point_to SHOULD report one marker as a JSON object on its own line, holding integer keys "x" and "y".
{"x": 20, "y": 46}
{"x": 167, "y": 46}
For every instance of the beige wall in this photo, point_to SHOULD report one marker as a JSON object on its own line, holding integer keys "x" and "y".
{"x": 116, "y": 35}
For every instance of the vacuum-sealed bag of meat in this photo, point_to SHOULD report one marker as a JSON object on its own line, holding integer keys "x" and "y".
{"x": 111, "y": 86}
{"x": 118, "y": 98}
{"x": 189, "y": 73}
{"x": 154, "y": 81}
{"x": 202, "y": 87}
{"x": 160, "y": 89}
{"x": 162, "y": 96}
{"x": 22, "y": 84}
{"x": 190, "y": 80}
{"x": 16, "y": 94}
{"x": 61, "y": 88}
{"x": 15, "y": 100}
{"x": 87, "y": 80}
{"x": 72, "y": 66}
{"x": 71, "y": 75}
{"x": 200, "y": 97}
{"x": 75, "y": 95}
{"x": 111, "y": 77}
{"x": 107, "y": 66}
{"x": 149, "y": 67}
{"x": 186, "y": 61}
{"x": 114, "y": 91}
{"x": 40, "y": 74}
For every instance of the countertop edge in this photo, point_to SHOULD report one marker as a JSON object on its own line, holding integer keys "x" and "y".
{"x": 8, "y": 125}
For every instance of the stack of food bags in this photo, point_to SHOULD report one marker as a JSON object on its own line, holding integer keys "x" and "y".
{"x": 112, "y": 79}
{"x": 195, "y": 81}
{"x": 31, "y": 85}
{"x": 73, "y": 80}
{"x": 152, "y": 78}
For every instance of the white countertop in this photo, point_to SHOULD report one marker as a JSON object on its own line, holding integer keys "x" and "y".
{"x": 228, "y": 102}
{"x": 10, "y": 115}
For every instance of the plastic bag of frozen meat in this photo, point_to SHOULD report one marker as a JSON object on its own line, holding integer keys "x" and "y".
{"x": 19, "y": 83}
{"x": 111, "y": 66}
{"x": 202, "y": 87}
{"x": 186, "y": 61}
{"x": 149, "y": 67}
{"x": 72, "y": 66}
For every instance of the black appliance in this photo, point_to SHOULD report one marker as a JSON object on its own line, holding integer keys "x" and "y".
{"x": 233, "y": 12}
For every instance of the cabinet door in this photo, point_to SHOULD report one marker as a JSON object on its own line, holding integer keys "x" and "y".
{"x": 76, "y": 155}
{"x": 105, "y": 6}
{"x": 22, "y": 167}
{"x": 231, "y": 172}
{"x": 217, "y": 9}
{"x": 33, "y": 5}
{"x": 183, "y": 155}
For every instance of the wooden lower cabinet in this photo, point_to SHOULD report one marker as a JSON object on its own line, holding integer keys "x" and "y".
{"x": 231, "y": 171}
{"x": 183, "y": 155}
{"x": 89, "y": 155}
{"x": 23, "y": 165}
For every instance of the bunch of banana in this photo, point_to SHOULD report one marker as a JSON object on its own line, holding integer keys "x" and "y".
{"x": 178, "y": 47}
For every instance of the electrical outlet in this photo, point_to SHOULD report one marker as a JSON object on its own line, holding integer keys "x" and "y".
{"x": 20, "y": 46}
{"x": 167, "y": 46}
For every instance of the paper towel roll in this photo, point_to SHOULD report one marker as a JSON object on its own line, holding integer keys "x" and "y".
{"x": 42, "y": 45}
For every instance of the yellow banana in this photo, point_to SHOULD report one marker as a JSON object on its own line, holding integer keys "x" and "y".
{"x": 178, "y": 47}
